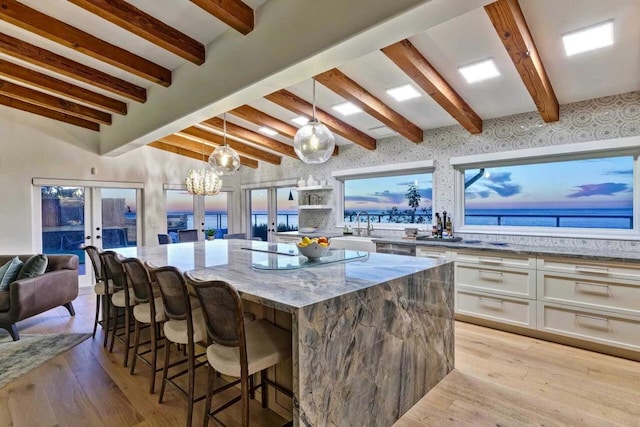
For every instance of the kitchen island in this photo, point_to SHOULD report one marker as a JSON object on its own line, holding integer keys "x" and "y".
{"x": 371, "y": 335}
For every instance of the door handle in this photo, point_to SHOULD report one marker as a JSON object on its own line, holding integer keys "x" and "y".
{"x": 97, "y": 237}
{"x": 88, "y": 237}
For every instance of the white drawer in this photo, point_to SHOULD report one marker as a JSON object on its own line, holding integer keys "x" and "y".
{"x": 427, "y": 252}
{"x": 608, "y": 294}
{"x": 496, "y": 259}
{"x": 593, "y": 268}
{"x": 605, "y": 328}
{"x": 508, "y": 281}
{"x": 515, "y": 311}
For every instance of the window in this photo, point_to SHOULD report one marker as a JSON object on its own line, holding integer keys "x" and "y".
{"x": 572, "y": 190}
{"x": 215, "y": 214}
{"x": 179, "y": 212}
{"x": 591, "y": 193}
{"x": 393, "y": 194}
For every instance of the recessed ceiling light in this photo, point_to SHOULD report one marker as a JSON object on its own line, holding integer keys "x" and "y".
{"x": 267, "y": 131}
{"x": 479, "y": 71}
{"x": 347, "y": 108}
{"x": 590, "y": 38}
{"x": 300, "y": 120}
{"x": 382, "y": 131}
{"x": 404, "y": 92}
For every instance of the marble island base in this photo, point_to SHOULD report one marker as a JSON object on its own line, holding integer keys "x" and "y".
{"x": 366, "y": 357}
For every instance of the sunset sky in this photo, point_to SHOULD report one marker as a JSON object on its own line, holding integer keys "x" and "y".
{"x": 578, "y": 184}
{"x": 373, "y": 194}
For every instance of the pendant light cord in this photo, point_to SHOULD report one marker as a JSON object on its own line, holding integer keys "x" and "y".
{"x": 224, "y": 129}
{"x": 314, "y": 99}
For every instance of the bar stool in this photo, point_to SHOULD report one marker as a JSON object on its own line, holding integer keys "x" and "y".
{"x": 122, "y": 298}
{"x": 103, "y": 290}
{"x": 237, "y": 349}
{"x": 148, "y": 311}
{"x": 184, "y": 326}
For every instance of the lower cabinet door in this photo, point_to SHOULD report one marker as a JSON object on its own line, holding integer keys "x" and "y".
{"x": 591, "y": 325}
{"x": 514, "y": 311}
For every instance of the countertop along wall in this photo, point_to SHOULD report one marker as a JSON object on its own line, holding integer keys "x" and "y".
{"x": 597, "y": 119}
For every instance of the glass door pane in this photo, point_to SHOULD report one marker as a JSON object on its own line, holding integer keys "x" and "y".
{"x": 119, "y": 217}
{"x": 287, "y": 209}
{"x": 179, "y": 212}
{"x": 216, "y": 214}
{"x": 259, "y": 213}
{"x": 64, "y": 230}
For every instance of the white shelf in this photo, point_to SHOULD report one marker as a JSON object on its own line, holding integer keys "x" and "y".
{"x": 315, "y": 207}
{"x": 314, "y": 187}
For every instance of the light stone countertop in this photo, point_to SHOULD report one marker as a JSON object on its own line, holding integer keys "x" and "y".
{"x": 285, "y": 290}
{"x": 515, "y": 249}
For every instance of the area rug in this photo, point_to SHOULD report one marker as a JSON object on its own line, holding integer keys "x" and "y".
{"x": 19, "y": 357}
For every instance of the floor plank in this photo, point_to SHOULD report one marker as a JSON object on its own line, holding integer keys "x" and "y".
{"x": 500, "y": 379}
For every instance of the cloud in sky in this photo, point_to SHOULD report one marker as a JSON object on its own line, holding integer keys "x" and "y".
{"x": 621, "y": 172}
{"x": 361, "y": 199}
{"x": 506, "y": 189}
{"x": 499, "y": 178}
{"x": 604, "y": 189}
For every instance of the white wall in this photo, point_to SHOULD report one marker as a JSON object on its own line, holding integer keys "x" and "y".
{"x": 37, "y": 147}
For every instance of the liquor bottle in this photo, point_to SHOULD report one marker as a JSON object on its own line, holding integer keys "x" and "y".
{"x": 444, "y": 224}
{"x": 438, "y": 226}
{"x": 449, "y": 227}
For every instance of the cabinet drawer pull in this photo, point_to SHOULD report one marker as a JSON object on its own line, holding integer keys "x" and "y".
{"x": 592, "y": 288}
{"x": 592, "y": 269}
{"x": 493, "y": 300}
{"x": 491, "y": 260}
{"x": 490, "y": 275}
{"x": 603, "y": 320}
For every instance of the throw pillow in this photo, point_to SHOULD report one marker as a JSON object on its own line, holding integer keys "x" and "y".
{"x": 34, "y": 266}
{"x": 9, "y": 273}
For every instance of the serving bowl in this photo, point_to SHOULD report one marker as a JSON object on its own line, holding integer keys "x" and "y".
{"x": 313, "y": 250}
{"x": 411, "y": 231}
{"x": 307, "y": 229}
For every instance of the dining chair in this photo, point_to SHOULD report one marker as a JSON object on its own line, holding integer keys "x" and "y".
{"x": 103, "y": 289}
{"x": 122, "y": 298}
{"x": 242, "y": 236}
{"x": 236, "y": 348}
{"x": 187, "y": 235}
{"x": 164, "y": 239}
{"x": 148, "y": 311}
{"x": 184, "y": 325}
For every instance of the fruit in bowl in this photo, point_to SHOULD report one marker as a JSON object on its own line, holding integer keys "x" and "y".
{"x": 313, "y": 248}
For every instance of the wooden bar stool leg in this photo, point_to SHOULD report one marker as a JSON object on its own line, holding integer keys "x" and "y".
{"x": 207, "y": 401}
{"x": 165, "y": 368}
{"x": 114, "y": 318}
{"x": 127, "y": 334}
{"x": 192, "y": 381}
{"x": 106, "y": 316}
{"x": 263, "y": 388}
{"x": 136, "y": 343}
{"x": 95, "y": 320}
{"x": 154, "y": 357}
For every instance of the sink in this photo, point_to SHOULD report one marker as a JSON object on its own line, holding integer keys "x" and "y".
{"x": 354, "y": 243}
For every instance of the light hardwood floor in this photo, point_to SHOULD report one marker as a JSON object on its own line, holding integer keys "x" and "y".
{"x": 500, "y": 379}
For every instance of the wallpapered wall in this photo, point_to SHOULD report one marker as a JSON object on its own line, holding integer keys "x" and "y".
{"x": 597, "y": 119}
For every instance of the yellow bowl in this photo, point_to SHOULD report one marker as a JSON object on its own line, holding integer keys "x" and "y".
{"x": 313, "y": 250}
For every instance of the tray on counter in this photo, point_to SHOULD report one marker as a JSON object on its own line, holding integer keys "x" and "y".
{"x": 437, "y": 239}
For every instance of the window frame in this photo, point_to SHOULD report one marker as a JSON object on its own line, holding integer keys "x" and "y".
{"x": 629, "y": 146}
{"x": 408, "y": 168}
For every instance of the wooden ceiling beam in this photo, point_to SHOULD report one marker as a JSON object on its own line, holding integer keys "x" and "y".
{"x": 512, "y": 28}
{"x": 234, "y": 13}
{"x": 413, "y": 64}
{"x": 251, "y": 136}
{"x": 54, "y": 103}
{"x": 138, "y": 22}
{"x": 291, "y": 102}
{"x": 196, "y": 147}
{"x": 50, "y": 28}
{"x": 241, "y": 148}
{"x": 51, "y": 102}
{"x": 60, "y": 87}
{"x": 59, "y": 64}
{"x": 347, "y": 88}
{"x": 253, "y": 115}
{"x": 45, "y": 112}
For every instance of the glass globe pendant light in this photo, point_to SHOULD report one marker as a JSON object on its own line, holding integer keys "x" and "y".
{"x": 224, "y": 160}
{"x": 314, "y": 143}
{"x": 203, "y": 182}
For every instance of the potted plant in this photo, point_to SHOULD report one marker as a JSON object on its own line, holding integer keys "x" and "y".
{"x": 211, "y": 234}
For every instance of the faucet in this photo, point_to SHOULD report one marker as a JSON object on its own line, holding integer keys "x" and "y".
{"x": 358, "y": 231}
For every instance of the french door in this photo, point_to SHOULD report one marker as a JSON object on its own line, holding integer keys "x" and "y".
{"x": 75, "y": 214}
{"x": 271, "y": 210}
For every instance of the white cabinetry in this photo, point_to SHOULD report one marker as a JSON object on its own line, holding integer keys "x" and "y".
{"x": 595, "y": 301}
{"x": 433, "y": 252}
{"x": 496, "y": 287}
{"x": 287, "y": 239}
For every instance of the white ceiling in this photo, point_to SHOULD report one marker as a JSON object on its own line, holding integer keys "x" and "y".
{"x": 448, "y": 45}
